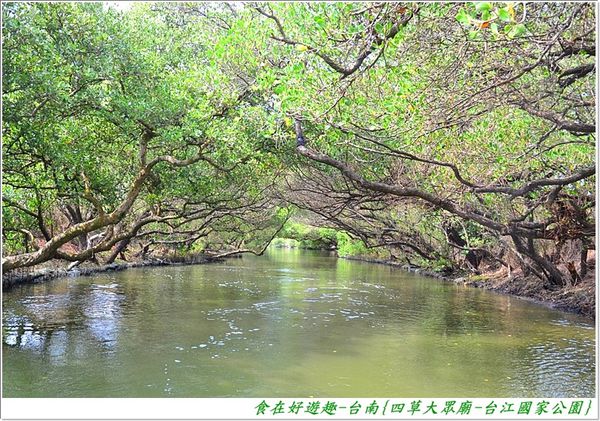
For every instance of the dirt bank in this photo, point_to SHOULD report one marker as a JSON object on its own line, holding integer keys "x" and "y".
{"x": 579, "y": 298}
{"x": 45, "y": 274}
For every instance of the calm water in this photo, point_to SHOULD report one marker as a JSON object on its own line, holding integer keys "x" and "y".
{"x": 290, "y": 323}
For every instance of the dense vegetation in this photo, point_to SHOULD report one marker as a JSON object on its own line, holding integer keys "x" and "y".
{"x": 456, "y": 136}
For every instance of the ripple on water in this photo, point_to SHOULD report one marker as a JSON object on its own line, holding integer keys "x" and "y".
{"x": 330, "y": 298}
{"x": 559, "y": 367}
{"x": 265, "y": 304}
{"x": 548, "y": 354}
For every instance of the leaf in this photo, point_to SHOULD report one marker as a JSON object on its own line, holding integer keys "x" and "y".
{"x": 504, "y": 15}
{"x": 517, "y": 31}
{"x": 463, "y": 17}
{"x": 320, "y": 20}
{"x": 278, "y": 89}
{"x": 483, "y": 6}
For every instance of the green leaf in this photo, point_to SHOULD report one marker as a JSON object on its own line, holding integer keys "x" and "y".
{"x": 320, "y": 20}
{"x": 517, "y": 31}
{"x": 504, "y": 15}
{"x": 463, "y": 17}
{"x": 473, "y": 34}
{"x": 278, "y": 89}
{"x": 483, "y": 6}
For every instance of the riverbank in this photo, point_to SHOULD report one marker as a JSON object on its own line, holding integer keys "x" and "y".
{"x": 578, "y": 299}
{"x": 49, "y": 273}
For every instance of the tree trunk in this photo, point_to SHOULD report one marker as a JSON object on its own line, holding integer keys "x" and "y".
{"x": 583, "y": 259}
{"x": 473, "y": 258}
{"x": 121, "y": 246}
{"x": 549, "y": 273}
{"x": 75, "y": 217}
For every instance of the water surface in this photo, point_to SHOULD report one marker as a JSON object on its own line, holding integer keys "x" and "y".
{"x": 288, "y": 324}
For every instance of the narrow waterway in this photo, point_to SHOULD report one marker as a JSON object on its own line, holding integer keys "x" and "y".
{"x": 290, "y": 323}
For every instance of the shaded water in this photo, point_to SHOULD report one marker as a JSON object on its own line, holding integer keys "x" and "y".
{"x": 291, "y": 323}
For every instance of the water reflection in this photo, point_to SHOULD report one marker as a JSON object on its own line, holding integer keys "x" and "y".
{"x": 287, "y": 324}
{"x": 102, "y": 310}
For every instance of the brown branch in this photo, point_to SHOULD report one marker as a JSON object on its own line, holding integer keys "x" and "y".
{"x": 339, "y": 68}
{"x": 560, "y": 122}
{"x": 533, "y": 185}
{"x": 434, "y": 200}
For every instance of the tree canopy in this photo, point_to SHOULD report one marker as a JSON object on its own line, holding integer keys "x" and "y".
{"x": 447, "y": 134}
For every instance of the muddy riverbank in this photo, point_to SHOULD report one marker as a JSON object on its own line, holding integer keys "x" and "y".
{"x": 578, "y": 299}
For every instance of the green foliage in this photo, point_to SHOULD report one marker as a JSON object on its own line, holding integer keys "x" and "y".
{"x": 480, "y": 17}
{"x": 84, "y": 83}
{"x": 349, "y": 247}
{"x": 85, "y": 86}
{"x": 440, "y": 264}
{"x": 308, "y": 237}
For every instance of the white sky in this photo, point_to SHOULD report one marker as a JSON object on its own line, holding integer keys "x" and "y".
{"x": 119, "y": 5}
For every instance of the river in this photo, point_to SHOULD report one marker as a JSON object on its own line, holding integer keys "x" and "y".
{"x": 289, "y": 324}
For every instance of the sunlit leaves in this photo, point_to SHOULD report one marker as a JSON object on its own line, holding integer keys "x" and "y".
{"x": 516, "y": 30}
{"x": 84, "y": 83}
{"x": 504, "y": 15}
{"x": 492, "y": 16}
